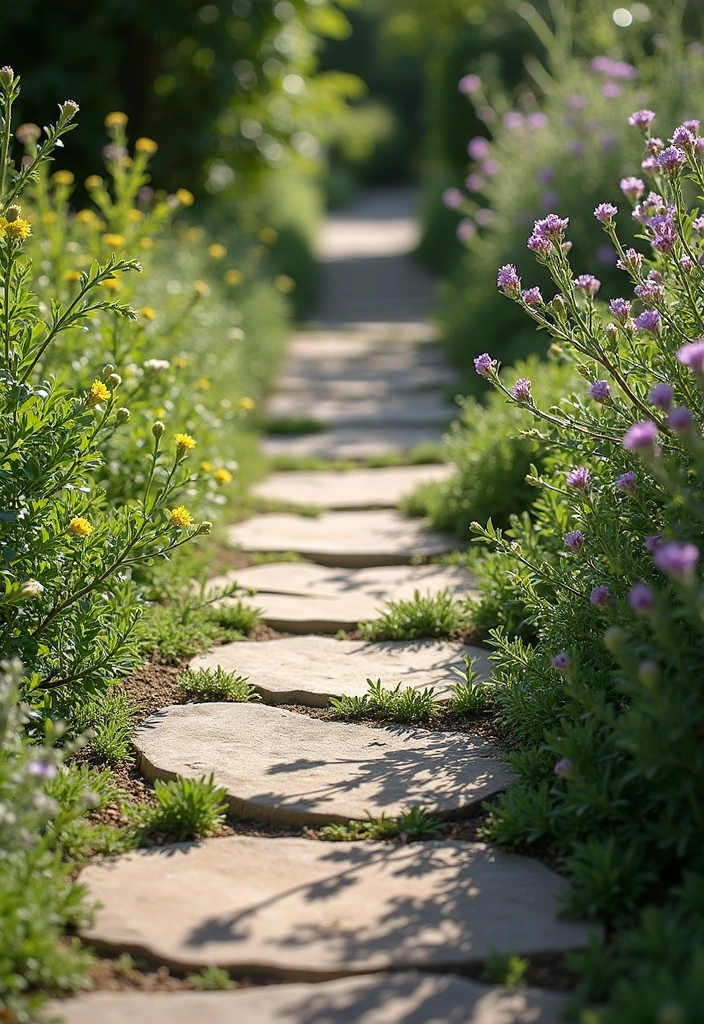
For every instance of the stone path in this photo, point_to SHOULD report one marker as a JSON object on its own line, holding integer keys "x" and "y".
{"x": 374, "y": 915}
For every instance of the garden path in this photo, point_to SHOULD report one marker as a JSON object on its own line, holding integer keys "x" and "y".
{"x": 396, "y": 924}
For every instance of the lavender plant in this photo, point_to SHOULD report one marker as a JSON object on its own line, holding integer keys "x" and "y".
{"x": 609, "y": 703}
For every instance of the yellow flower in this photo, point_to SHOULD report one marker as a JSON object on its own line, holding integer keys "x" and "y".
{"x": 233, "y": 277}
{"x": 180, "y": 362}
{"x": 135, "y": 215}
{"x": 86, "y": 217}
{"x": 206, "y": 467}
{"x": 80, "y": 527}
{"x": 114, "y": 241}
{"x": 184, "y": 197}
{"x": 72, "y": 276}
{"x": 98, "y": 393}
{"x": 268, "y": 235}
{"x": 217, "y": 251}
{"x": 116, "y": 119}
{"x": 181, "y": 517}
{"x": 204, "y": 383}
{"x": 223, "y": 476}
{"x": 193, "y": 234}
{"x": 146, "y": 242}
{"x": 246, "y": 403}
{"x": 144, "y": 145}
{"x": 201, "y": 288}
{"x": 147, "y": 312}
{"x": 284, "y": 283}
{"x": 93, "y": 181}
{"x": 184, "y": 442}
{"x": 19, "y": 229}
{"x": 62, "y": 178}
{"x": 112, "y": 284}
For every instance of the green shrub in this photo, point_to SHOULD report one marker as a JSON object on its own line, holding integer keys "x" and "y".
{"x": 398, "y": 705}
{"x": 215, "y": 684}
{"x": 186, "y": 809}
{"x": 423, "y": 615}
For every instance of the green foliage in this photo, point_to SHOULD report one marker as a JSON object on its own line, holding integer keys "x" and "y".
{"x": 236, "y": 616}
{"x": 505, "y": 969}
{"x": 108, "y": 719}
{"x": 186, "y": 809}
{"x": 423, "y": 615}
{"x": 470, "y": 697}
{"x": 406, "y": 705}
{"x": 211, "y": 979}
{"x": 205, "y": 684}
{"x": 413, "y": 824}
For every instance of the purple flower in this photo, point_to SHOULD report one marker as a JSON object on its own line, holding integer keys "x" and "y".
{"x": 579, "y": 478}
{"x": 484, "y": 364}
{"x": 680, "y": 419}
{"x": 671, "y": 159}
{"x": 661, "y": 396}
{"x": 682, "y": 137}
{"x": 551, "y": 227}
{"x": 687, "y": 264}
{"x": 650, "y": 292}
{"x": 474, "y": 182}
{"x": 692, "y": 126}
{"x": 664, "y": 233}
{"x": 42, "y": 770}
{"x": 491, "y": 168}
{"x": 627, "y": 482}
{"x": 478, "y": 148}
{"x": 484, "y": 217}
{"x": 452, "y": 198}
{"x": 698, "y": 225}
{"x": 600, "y": 596}
{"x": 650, "y": 165}
{"x": 600, "y": 391}
{"x": 610, "y": 90}
{"x": 641, "y": 119}
{"x": 532, "y": 297}
{"x": 508, "y": 280}
{"x": 521, "y": 390}
{"x": 466, "y": 230}
{"x": 539, "y": 245}
{"x": 564, "y": 768}
{"x": 587, "y": 283}
{"x": 652, "y": 543}
{"x": 561, "y": 661}
{"x": 641, "y": 436}
{"x": 632, "y": 188}
{"x": 605, "y": 212}
{"x": 641, "y": 598}
{"x": 692, "y": 355}
{"x": 574, "y": 540}
{"x": 621, "y": 309}
{"x": 512, "y": 120}
{"x": 469, "y": 84}
{"x": 676, "y": 559}
{"x": 632, "y": 260}
{"x": 537, "y": 119}
{"x": 649, "y": 320}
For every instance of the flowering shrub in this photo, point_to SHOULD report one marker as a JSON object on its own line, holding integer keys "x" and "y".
{"x": 67, "y": 608}
{"x": 609, "y": 703}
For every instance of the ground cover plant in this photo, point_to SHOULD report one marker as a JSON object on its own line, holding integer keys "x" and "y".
{"x": 606, "y": 707}
{"x": 423, "y": 615}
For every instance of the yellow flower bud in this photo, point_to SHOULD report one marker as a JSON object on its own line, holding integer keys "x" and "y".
{"x": 116, "y": 119}
{"x": 80, "y": 527}
{"x": 147, "y": 146}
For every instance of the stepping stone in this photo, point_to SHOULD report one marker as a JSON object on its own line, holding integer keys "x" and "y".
{"x": 278, "y": 765}
{"x": 369, "y": 999}
{"x": 299, "y": 597}
{"x": 355, "y": 489}
{"x": 363, "y": 383}
{"x": 309, "y": 910}
{"x": 343, "y": 538}
{"x": 414, "y": 408}
{"x": 351, "y": 442}
{"x": 311, "y": 669}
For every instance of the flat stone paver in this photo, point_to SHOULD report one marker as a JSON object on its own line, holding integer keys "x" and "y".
{"x": 398, "y": 998}
{"x": 301, "y": 597}
{"x": 343, "y": 538}
{"x": 363, "y": 381}
{"x": 282, "y": 766}
{"x": 310, "y": 910}
{"x": 351, "y": 442}
{"x": 354, "y": 489}
{"x": 404, "y": 409}
{"x": 311, "y": 669}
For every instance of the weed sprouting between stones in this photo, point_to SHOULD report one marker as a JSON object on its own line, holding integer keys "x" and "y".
{"x": 409, "y": 706}
{"x": 423, "y": 615}
{"x": 214, "y": 684}
{"x": 415, "y": 823}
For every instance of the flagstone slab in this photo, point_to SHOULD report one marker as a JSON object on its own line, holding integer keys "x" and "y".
{"x": 301, "y": 597}
{"x": 354, "y": 539}
{"x": 354, "y": 489}
{"x": 362, "y": 382}
{"x": 367, "y": 999}
{"x": 364, "y": 442}
{"x": 414, "y": 408}
{"x": 311, "y": 669}
{"x": 278, "y": 765}
{"x": 308, "y": 910}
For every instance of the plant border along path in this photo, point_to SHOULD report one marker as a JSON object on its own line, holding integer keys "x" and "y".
{"x": 300, "y": 910}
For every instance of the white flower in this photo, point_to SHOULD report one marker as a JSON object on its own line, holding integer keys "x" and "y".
{"x": 31, "y": 588}
{"x": 157, "y": 364}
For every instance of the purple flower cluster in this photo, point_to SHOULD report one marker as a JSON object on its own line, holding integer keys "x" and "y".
{"x": 641, "y": 598}
{"x": 620, "y": 309}
{"x": 551, "y": 227}
{"x": 605, "y": 212}
{"x": 579, "y": 478}
{"x": 676, "y": 559}
{"x": 521, "y": 390}
{"x": 478, "y": 148}
{"x": 664, "y": 232}
{"x": 692, "y": 356}
{"x": 650, "y": 292}
{"x": 561, "y": 661}
{"x": 469, "y": 84}
{"x": 627, "y": 482}
{"x": 587, "y": 284}
{"x": 642, "y": 119}
{"x": 649, "y": 320}
{"x": 452, "y": 198}
{"x": 661, "y": 396}
{"x": 652, "y": 543}
{"x": 641, "y": 436}
{"x": 600, "y": 596}
{"x": 532, "y": 297}
{"x": 632, "y": 188}
{"x": 680, "y": 419}
{"x": 600, "y": 391}
{"x": 564, "y": 768}
{"x": 632, "y": 260}
{"x": 671, "y": 159}
{"x": 574, "y": 540}
{"x": 484, "y": 364}
{"x": 614, "y": 68}
{"x": 508, "y": 280}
